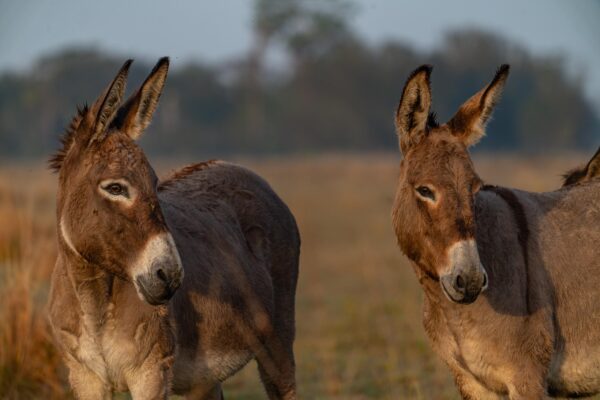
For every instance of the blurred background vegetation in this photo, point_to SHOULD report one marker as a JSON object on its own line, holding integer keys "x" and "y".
{"x": 333, "y": 92}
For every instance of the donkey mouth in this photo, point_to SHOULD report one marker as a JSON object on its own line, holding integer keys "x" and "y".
{"x": 460, "y": 297}
{"x": 154, "y": 294}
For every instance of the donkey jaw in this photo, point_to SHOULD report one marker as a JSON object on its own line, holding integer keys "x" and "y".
{"x": 465, "y": 278}
{"x": 157, "y": 273}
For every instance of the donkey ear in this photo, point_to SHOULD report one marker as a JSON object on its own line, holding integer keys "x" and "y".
{"x": 135, "y": 115}
{"x": 593, "y": 167}
{"x": 470, "y": 120}
{"x": 583, "y": 174}
{"x": 413, "y": 110}
{"x": 106, "y": 106}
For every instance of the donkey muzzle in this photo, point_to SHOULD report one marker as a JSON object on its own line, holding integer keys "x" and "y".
{"x": 464, "y": 287}
{"x": 160, "y": 283}
{"x": 158, "y": 272}
{"x": 466, "y": 278}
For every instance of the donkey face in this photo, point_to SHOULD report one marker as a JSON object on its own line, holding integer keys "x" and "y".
{"x": 108, "y": 210}
{"x": 433, "y": 213}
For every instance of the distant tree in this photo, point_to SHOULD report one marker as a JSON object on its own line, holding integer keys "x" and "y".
{"x": 306, "y": 28}
{"x": 339, "y": 93}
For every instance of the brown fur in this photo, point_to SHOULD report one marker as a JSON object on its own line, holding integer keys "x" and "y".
{"x": 237, "y": 241}
{"x": 534, "y": 331}
{"x": 185, "y": 172}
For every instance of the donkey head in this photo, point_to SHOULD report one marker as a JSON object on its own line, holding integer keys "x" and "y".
{"x": 108, "y": 210}
{"x": 433, "y": 213}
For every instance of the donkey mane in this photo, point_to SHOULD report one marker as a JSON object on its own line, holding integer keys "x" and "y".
{"x": 66, "y": 140}
{"x": 574, "y": 175}
{"x": 184, "y": 172}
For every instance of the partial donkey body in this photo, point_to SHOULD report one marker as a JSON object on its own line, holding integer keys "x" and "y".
{"x": 511, "y": 278}
{"x": 244, "y": 262}
{"x": 166, "y": 287}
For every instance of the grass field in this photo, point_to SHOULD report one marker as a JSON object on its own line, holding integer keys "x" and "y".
{"x": 359, "y": 333}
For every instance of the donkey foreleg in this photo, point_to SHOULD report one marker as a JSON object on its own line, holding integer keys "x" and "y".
{"x": 152, "y": 380}
{"x": 471, "y": 389}
{"x": 149, "y": 385}
{"x": 86, "y": 384}
{"x": 527, "y": 387}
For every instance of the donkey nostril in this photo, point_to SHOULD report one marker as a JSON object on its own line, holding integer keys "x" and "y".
{"x": 161, "y": 275}
{"x": 485, "y": 280}
{"x": 460, "y": 282}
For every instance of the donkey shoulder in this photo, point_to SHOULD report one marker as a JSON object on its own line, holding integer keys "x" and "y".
{"x": 249, "y": 194}
{"x": 264, "y": 218}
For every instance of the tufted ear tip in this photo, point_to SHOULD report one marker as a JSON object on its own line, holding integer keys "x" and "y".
{"x": 423, "y": 69}
{"x": 470, "y": 121}
{"x": 135, "y": 115}
{"x": 503, "y": 70}
{"x": 163, "y": 61}
{"x": 421, "y": 73}
{"x": 127, "y": 64}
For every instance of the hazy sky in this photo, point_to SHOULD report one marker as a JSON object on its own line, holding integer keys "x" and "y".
{"x": 221, "y": 29}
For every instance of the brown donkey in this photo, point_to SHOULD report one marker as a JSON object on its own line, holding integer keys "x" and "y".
{"x": 124, "y": 315}
{"x": 511, "y": 278}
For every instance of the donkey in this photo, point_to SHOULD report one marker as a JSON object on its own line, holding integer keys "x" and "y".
{"x": 584, "y": 173}
{"x": 511, "y": 278}
{"x": 166, "y": 287}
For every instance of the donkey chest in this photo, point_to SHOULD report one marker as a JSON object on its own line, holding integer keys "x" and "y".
{"x": 480, "y": 357}
{"x": 107, "y": 351}
{"x": 468, "y": 349}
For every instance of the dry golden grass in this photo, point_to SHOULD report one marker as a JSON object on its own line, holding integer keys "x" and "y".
{"x": 359, "y": 332}
{"x": 29, "y": 366}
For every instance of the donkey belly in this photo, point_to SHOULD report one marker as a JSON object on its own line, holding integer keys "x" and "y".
{"x": 213, "y": 342}
{"x": 210, "y": 367}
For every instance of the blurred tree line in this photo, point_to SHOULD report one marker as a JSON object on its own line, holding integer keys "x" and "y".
{"x": 334, "y": 93}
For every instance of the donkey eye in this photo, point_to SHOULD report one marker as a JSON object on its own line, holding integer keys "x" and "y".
{"x": 116, "y": 189}
{"x": 424, "y": 191}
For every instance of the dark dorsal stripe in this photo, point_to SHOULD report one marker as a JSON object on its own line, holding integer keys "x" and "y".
{"x": 185, "y": 172}
{"x": 522, "y": 228}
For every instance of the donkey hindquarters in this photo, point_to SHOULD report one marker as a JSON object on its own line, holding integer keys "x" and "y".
{"x": 239, "y": 245}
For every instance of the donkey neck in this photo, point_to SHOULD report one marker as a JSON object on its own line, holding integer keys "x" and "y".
{"x": 94, "y": 287}
{"x": 89, "y": 281}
